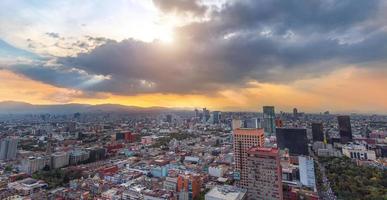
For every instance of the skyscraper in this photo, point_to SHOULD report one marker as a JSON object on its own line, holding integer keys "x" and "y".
{"x": 244, "y": 139}
{"x": 344, "y": 128}
{"x": 269, "y": 120}
{"x": 317, "y": 132}
{"x": 294, "y": 139}
{"x": 216, "y": 115}
{"x": 206, "y": 115}
{"x": 8, "y": 148}
{"x": 264, "y": 174}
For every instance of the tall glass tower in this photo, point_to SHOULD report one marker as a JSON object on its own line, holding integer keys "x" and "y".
{"x": 269, "y": 120}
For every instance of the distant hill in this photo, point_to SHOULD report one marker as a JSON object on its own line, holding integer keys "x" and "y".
{"x": 15, "y": 107}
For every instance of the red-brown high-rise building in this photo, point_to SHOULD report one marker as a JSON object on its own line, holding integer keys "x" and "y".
{"x": 264, "y": 174}
{"x": 244, "y": 139}
{"x": 189, "y": 183}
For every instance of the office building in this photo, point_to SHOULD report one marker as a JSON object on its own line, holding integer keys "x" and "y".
{"x": 345, "y": 130}
{"x": 96, "y": 154}
{"x": 59, "y": 159}
{"x": 188, "y": 185}
{"x": 8, "y": 148}
{"x": 170, "y": 184}
{"x": 264, "y": 174}
{"x": 216, "y": 116}
{"x": 206, "y": 115}
{"x": 226, "y": 192}
{"x": 78, "y": 156}
{"x": 317, "y": 132}
{"x": 269, "y": 120}
{"x": 33, "y": 164}
{"x": 307, "y": 175}
{"x": 294, "y": 139}
{"x": 244, "y": 139}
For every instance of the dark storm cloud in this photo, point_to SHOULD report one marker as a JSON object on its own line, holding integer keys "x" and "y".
{"x": 181, "y": 6}
{"x": 256, "y": 40}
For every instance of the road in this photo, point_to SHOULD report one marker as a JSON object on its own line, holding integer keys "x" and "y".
{"x": 327, "y": 194}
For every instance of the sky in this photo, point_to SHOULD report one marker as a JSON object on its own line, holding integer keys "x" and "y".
{"x": 316, "y": 55}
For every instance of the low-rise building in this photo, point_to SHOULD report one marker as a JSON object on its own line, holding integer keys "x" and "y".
{"x": 226, "y": 192}
{"x": 358, "y": 151}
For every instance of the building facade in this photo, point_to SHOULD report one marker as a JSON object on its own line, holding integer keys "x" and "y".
{"x": 358, "y": 151}
{"x": 269, "y": 120}
{"x": 244, "y": 139}
{"x": 264, "y": 174}
{"x": 345, "y": 130}
{"x": 294, "y": 139}
{"x": 8, "y": 148}
{"x": 317, "y": 132}
{"x": 307, "y": 174}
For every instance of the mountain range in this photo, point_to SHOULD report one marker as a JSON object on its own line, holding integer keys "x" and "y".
{"x": 15, "y": 107}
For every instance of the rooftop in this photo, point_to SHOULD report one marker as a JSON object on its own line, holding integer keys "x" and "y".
{"x": 227, "y": 192}
{"x": 263, "y": 150}
{"x": 249, "y": 131}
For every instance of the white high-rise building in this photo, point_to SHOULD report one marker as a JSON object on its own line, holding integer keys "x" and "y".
{"x": 307, "y": 175}
{"x": 59, "y": 159}
{"x": 33, "y": 164}
{"x": 8, "y": 148}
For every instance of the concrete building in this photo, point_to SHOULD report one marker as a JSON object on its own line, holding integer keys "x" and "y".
{"x": 307, "y": 175}
{"x": 170, "y": 184}
{"x": 358, "y": 151}
{"x": 217, "y": 171}
{"x": 27, "y": 186}
{"x": 226, "y": 192}
{"x": 264, "y": 174}
{"x": 325, "y": 150}
{"x": 244, "y": 139}
{"x": 8, "y": 148}
{"x": 33, "y": 164}
{"x": 59, "y": 159}
{"x": 78, "y": 157}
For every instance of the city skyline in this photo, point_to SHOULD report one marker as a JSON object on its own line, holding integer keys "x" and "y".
{"x": 224, "y": 55}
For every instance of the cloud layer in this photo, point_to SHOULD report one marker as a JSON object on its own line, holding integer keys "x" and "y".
{"x": 266, "y": 41}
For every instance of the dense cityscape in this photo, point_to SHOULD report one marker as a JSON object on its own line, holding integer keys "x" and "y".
{"x": 193, "y": 99}
{"x": 189, "y": 155}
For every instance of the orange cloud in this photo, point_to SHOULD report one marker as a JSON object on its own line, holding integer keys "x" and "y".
{"x": 347, "y": 90}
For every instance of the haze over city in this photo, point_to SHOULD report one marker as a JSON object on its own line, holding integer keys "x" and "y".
{"x": 223, "y": 54}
